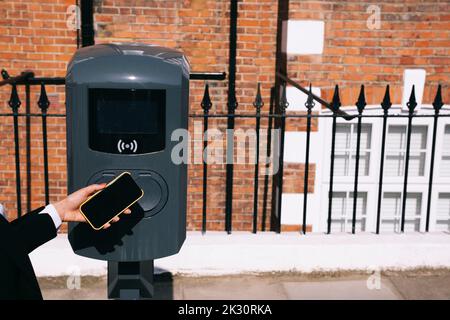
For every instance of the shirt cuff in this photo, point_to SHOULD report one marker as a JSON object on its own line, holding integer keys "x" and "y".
{"x": 51, "y": 211}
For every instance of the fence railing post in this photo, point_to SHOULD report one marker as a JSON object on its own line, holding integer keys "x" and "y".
{"x": 335, "y": 104}
{"x": 43, "y": 104}
{"x": 206, "y": 105}
{"x": 14, "y": 103}
{"x": 232, "y": 105}
{"x": 267, "y": 163}
{"x": 309, "y": 105}
{"x": 258, "y": 104}
{"x": 360, "y": 104}
{"x": 386, "y": 105}
{"x": 411, "y": 104}
{"x": 437, "y": 105}
{"x": 28, "y": 143}
{"x": 283, "y": 104}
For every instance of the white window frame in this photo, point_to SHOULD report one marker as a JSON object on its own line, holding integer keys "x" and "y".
{"x": 349, "y": 151}
{"x": 369, "y": 184}
{"x": 414, "y": 188}
{"x": 402, "y": 151}
{"x": 349, "y": 208}
{"x": 427, "y": 122}
{"x": 435, "y": 218}
{"x": 440, "y": 184}
{"x": 346, "y": 183}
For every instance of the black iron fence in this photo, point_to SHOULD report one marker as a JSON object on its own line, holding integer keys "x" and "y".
{"x": 276, "y": 116}
{"x": 27, "y": 80}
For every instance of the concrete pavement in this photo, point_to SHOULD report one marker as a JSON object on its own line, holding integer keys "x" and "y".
{"x": 414, "y": 284}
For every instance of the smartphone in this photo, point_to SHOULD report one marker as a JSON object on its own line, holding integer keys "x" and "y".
{"x": 108, "y": 203}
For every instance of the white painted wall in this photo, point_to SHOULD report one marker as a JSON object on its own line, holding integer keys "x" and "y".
{"x": 412, "y": 77}
{"x": 297, "y": 98}
{"x": 304, "y": 37}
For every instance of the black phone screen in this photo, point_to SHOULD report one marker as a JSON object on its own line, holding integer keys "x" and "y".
{"x": 111, "y": 201}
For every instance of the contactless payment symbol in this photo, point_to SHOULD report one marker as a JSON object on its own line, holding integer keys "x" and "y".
{"x": 127, "y": 146}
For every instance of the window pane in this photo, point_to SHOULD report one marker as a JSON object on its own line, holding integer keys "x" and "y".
{"x": 366, "y": 130}
{"x": 346, "y": 138}
{"x": 417, "y": 159}
{"x": 417, "y": 164}
{"x": 364, "y": 159}
{"x": 396, "y": 151}
{"x": 445, "y": 161}
{"x": 396, "y": 137}
{"x": 341, "y": 163}
{"x": 445, "y": 166}
{"x": 447, "y": 135}
{"x": 338, "y": 212}
{"x": 361, "y": 210}
{"x": 395, "y": 142}
{"x": 391, "y": 212}
{"x": 419, "y": 137}
{"x": 342, "y": 136}
{"x": 413, "y": 204}
{"x": 443, "y": 212}
{"x": 342, "y": 212}
{"x": 394, "y": 165}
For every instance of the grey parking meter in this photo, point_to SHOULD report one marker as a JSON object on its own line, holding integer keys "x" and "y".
{"x": 123, "y": 101}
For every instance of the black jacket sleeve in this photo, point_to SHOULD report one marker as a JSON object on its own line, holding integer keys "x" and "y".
{"x": 34, "y": 229}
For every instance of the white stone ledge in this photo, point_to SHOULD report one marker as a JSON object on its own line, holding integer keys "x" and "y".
{"x": 218, "y": 253}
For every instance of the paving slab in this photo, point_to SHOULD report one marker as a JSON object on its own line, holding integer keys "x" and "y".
{"x": 423, "y": 288}
{"x": 239, "y": 288}
{"x": 339, "y": 290}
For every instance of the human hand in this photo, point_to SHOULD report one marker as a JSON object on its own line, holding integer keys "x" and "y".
{"x": 68, "y": 208}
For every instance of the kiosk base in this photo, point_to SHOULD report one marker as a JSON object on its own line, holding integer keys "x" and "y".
{"x": 130, "y": 280}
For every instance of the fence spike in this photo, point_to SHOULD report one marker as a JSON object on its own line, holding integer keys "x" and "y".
{"x": 412, "y": 103}
{"x": 43, "y": 101}
{"x": 283, "y": 101}
{"x": 309, "y": 104}
{"x": 14, "y": 100}
{"x": 361, "y": 103}
{"x": 206, "y": 103}
{"x": 5, "y": 74}
{"x": 386, "y": 103}
{"x": 438, "y": 103}
{"x": 258, "y": 103}
{"x": 336, "y": 102}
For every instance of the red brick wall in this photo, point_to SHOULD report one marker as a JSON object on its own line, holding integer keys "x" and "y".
{"x": 412, "y": 34}
{"x": 34, "y": 36}
{"x": 200, "y": 29}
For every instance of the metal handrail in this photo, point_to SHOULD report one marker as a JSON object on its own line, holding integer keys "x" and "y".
{"x": 24, "y": 76}
{"x": 27, "y": 77}
{"x": 338, "y": 112}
